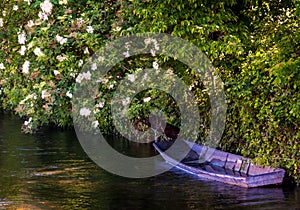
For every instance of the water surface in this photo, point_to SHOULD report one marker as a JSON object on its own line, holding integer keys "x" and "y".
{"x": 51, "y": 171}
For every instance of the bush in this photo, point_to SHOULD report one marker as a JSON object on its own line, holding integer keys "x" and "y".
{"x": 254, "y": 46}
{"x": 43, "y": 47}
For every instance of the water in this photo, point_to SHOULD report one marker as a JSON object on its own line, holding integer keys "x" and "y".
{"x": 51, "y": 171}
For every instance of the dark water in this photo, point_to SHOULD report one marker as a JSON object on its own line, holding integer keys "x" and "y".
{"x": 51, "y": 171}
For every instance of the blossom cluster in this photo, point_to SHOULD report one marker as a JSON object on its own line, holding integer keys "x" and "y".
{"x": 149, "y": 41}
{"x": 51, "y": 42}
{"x": 46, "y": 7}
{"x": 83, "y": 76}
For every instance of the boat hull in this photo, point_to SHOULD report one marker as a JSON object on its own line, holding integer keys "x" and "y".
{"x": 236, "y": 170}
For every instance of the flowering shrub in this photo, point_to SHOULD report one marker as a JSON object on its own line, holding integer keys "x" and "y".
{"x": 44, "y": 45}
{"x": 253, "y": 45}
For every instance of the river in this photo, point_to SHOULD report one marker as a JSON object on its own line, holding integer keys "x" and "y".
{"x": 51, "y": 171}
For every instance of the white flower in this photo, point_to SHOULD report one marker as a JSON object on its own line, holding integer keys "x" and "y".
{"x": 4, "y": 13}
{"x": 100, "y": 105}
{"x": 126, "y": 101}
{"x": 82, "y": 76}
{"x": 22, "y": 37}
{"x": 156, "y": 45}
{"x": 126, "y": 54}
{"x": 80, "y": 20}
{"x": 111, "y": 86}
{"x": 43, "y": 16}
{"x": 154, "y": 41}
{"x": 28, "y": 121}
{"x": 127, "y": 45}
{"x": 37, "y": 51}
{"x": 147, "y": 99}
{"x": 90, "y": 29}
{"x": 1, "y": 22}
{"x": 2, "y": 66}
{"x": 25, "y": 68}
{"x": 95, "y": 124}
{"x": 45, "y": 94}
{"x": 147, "y": 41}
{"x": 131, "y": 77}
{"x": 85, "y": 112}
{"x": 61, "y": 58}
{"x": 56, "y": 72}
{"x": 15, "y": 7}
{"x": 87, "y": 75}
{"x": 58, "y": 38}
{"x": 22, "y": 50}
{"x": 153, "y": 52}
{"x": 28, "y": 1}
{"x": 80, "y": 63}
{"x": 46, "y": 7}
{"x": 30, "y": 23}
{"x": 86, "y": 51}
{"x": 61, "y": 39}
{"x": 100, "y": 58}
{"x": 72, "y": 74}
{"x": 69, "y": 94}
{"x": 155, "y": 65}
{"x": 94, "y": 66}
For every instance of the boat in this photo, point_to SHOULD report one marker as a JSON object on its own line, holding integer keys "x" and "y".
{"x": 222, "y": 166}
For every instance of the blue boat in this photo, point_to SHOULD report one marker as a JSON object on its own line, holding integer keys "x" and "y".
{"x": 223, "y": 167}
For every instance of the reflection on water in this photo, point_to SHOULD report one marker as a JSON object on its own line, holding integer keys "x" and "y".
{"x": 51, "y": 171}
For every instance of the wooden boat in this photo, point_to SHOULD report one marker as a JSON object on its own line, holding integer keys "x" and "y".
{"x": 223, "y": 167}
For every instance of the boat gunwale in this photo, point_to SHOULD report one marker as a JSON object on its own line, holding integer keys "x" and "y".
{"x": 244, "y": 181}
{"x": 177, "y": 163}
{"x": 237, "y": 157}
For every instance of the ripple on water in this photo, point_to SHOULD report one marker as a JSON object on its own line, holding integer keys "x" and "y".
{"x": 51, "y": 171}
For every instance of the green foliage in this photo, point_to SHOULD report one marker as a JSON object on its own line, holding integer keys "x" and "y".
{"x": 254, "y": 46}
{"x": 71, "y": 33}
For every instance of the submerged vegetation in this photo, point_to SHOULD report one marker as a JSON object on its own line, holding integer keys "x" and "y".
{"x": 254, "y": 46}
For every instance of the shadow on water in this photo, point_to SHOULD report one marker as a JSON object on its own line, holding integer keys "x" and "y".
{"x": 51, "y": 171}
